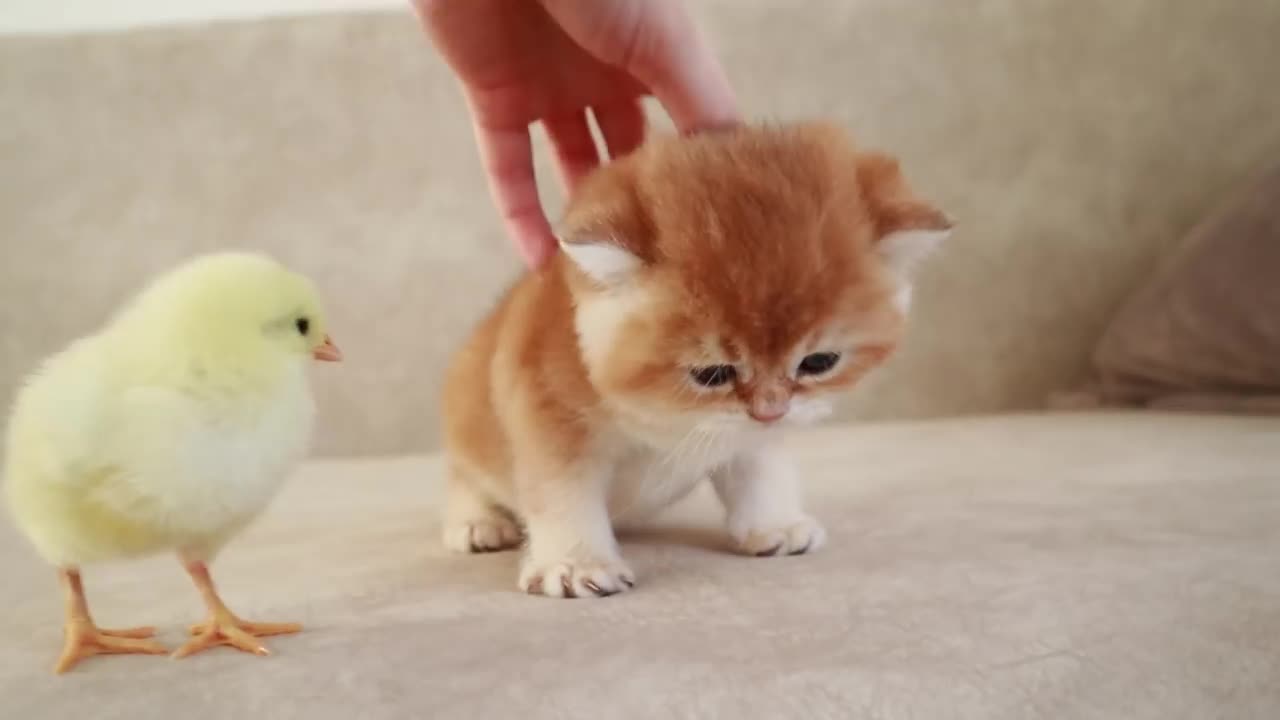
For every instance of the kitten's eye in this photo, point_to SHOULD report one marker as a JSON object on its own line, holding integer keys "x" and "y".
{"x": 713, "y": 375}
{"x": 303, "y": 325}
{"x": 818, "y": 363}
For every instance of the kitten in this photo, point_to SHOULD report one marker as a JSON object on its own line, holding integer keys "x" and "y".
{"x": 712, "y": 290}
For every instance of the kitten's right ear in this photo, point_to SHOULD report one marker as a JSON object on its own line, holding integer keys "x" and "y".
{"x": 601, "y": 226}
{"x": 601, "y": 258}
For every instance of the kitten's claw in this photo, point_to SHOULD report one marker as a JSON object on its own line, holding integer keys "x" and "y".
{"x": 577, "y": 579}
{"x": 481, "y": 535}
{"x": 769, "y": 552}
{"x": 534, "y": 586}
{"x": 797, "y": 538}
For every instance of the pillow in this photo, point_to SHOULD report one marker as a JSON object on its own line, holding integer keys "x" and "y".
{"x": 1204, "y": 333}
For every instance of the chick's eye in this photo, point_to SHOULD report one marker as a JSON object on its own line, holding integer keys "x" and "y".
{"x": 303, "y": 325}
{"x": 818, "y": 363}
{"x": 713, "y": 375}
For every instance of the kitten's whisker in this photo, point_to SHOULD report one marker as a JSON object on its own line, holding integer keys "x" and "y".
{"x": 670, "y": 459}
{"x": 673, "y": 452}
{"x": 706, "y": 443}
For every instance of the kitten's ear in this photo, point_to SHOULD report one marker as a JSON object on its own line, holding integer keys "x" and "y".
{"x": 601, "y": 226}
{"x": 912, "y": 235}
{"x": 908, "y": 229}
{"x": 607, "y": 262}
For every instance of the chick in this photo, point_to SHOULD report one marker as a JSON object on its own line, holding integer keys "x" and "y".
{"x": 169, "y": 429}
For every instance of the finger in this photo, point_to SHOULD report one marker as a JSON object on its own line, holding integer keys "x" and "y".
{"x": 507, "y": 156}
{"x": 622, "y": 124}
{"x": 687, "y": 79}
{"x": 576, "y": 152}
{"x": 658, "y": 43}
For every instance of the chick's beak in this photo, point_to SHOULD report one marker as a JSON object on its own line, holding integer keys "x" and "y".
{"x": 328, "y": 352}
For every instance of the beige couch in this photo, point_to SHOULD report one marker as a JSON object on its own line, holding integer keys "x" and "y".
{"x": 987, "y": 559}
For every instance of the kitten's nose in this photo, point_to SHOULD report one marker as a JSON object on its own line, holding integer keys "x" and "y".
{"x": 766, "y": 417}
{"x": 769, "y": 405}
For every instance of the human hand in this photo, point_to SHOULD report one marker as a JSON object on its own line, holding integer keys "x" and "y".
{"x": 553, "y": 61}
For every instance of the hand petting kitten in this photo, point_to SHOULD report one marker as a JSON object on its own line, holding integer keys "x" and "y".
{"x": 555, "y": 62}
{"x": 713, "y": 290}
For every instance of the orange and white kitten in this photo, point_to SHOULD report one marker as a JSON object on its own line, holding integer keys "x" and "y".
{"x": 712, "y": 290}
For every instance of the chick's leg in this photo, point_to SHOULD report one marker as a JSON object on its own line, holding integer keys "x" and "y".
{"x": 84, "y": 639}
{"x": 223, "y": 627}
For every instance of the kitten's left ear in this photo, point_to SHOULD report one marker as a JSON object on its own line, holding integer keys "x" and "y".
{"x": 908, "y": 229}
{"x": 911, "y": 234}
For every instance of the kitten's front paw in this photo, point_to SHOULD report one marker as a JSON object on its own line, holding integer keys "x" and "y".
{"x": 481, "y": 534}
{"x": 802, "y": 536}
{"x": 576, "y": 577}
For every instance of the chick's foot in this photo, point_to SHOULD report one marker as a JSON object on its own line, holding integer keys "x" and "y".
{"x": 224, "y": 628}
{"x": 84, "y": 640}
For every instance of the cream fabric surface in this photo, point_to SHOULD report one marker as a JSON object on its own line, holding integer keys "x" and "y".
{"x": 1072, "y": 141}
{"x": 1058, "y": 567}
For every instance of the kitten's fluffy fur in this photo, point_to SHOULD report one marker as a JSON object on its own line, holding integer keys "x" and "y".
{"x": 575, "y": 405}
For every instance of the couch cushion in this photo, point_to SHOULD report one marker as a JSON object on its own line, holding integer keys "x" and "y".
{"x": 1204, "y": 332}
{"x": 1011, "y": 567}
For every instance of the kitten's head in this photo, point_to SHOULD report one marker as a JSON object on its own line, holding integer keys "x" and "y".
{"x": 742, "y": 276}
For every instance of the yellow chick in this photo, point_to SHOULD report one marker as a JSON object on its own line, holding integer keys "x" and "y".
{"x": 170, "y": 429}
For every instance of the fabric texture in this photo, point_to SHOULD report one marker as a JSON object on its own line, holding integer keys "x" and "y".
{"x": 1010, "y": 568}
{"x": 1204, "y": 333}
{"x": 1070, "y": 142}
{"x": 1087, "y": 565}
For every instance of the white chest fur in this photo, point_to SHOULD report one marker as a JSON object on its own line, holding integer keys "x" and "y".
{"x": 647, "y": 479}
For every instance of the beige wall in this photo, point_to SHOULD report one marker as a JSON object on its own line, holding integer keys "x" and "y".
{"x": 1072, "y": 140}
{"x": 52, "y": 16}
